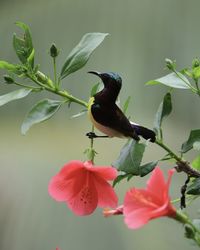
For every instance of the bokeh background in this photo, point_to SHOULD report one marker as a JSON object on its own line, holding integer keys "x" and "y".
{"x": 142, "y": 34}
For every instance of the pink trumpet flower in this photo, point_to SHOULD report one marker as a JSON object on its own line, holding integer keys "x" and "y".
{"x": 142, "y": 205}
{"x": 84, "y": 186}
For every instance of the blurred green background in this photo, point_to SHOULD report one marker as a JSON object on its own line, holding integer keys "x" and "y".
{"x": 142, "y": 34}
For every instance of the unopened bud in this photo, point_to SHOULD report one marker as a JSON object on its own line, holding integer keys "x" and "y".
{"x": 8, "y": 79}
{"x": 54, "y": 51}
{"x": 170, "y": 64}
{"x": 195, "y": 63}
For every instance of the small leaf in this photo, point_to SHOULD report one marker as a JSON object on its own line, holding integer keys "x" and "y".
{"x": 193, "y": 138}
{"x": 95, "y": 89}
{"x": 8, "y": 66}
{"x": 14, "y": 95}
{"x": 79, "y": 114}
{"x": 147, "y": 168}
{"x": 119, "y": 179}
{"x": 23, "y": 46}
{"x": 81, "y": 53}
{"x": 196, "y": 72}
{"x": 126, "y": 104}
{"x": 42, "y": 111}
{"x": 172, "y": 80}
{"x": 196, "y": 163}
{"x": 130, "y": 157}
{"x": 30, "y": 59}
{"x": 164, "y": 110}
{"x": 194, "y": 188}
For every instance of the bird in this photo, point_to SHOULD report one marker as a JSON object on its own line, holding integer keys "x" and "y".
{"x": 107, "y": 117}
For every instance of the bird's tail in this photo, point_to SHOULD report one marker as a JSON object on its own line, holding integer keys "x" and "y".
{"x": 146, "y": 133}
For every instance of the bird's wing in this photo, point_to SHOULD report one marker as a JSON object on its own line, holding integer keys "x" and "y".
{"x": 111, "y": 116}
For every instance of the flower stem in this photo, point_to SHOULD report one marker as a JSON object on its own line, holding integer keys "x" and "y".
{"x": 55, "y": 72}
{"x": 181, "y": 164}
{"x": 46, "y": 83}
{"x": 166, "y": 148}
{"x": 191, "y": 231}
{"x": 188, "y": 84}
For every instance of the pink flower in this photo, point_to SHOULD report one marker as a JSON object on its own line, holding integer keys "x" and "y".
{"x": 142, "y": 205}
{"x": 84, "y": 187}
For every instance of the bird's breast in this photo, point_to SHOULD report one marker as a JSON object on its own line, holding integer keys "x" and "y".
{"x": 104, "y": 129}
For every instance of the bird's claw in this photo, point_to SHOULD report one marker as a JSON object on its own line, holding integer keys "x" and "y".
{"x": 91, "y": 135}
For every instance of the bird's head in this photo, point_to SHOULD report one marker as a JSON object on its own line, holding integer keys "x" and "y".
{"x": 110, "y": 80}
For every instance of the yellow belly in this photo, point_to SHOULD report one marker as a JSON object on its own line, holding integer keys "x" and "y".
{"x": 105, "y": 130}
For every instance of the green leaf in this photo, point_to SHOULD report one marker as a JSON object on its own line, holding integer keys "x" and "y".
{"x": 81, "y": 53}
{"x": 126, "y": 104}
{"x": 194, "y": 188}
{"x": 120, "y": 178}
{"x": 196, "y": 72}
{"x": 130, "y": 157}
{"x": 42, "y": 111}
{"x": 193, "y": 138}
{"x": 196, "y": 163}
{"x": 23, "y": 46}
{"x": 8, "y": 66}
{"x": 172, "y": 80}
{"x": 164, "y": 110}
{"x": 14, "y": 95}
{"x": 147, "y": 168}
{"x": 94, "y": 89}
{"x": 80, "y": 113}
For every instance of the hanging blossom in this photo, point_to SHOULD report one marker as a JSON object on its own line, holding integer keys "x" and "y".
{"x": 84, "y": 187}
{"x": 142, "y": 205}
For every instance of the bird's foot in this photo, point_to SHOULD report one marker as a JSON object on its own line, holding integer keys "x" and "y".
{"x": 92, "y": 135}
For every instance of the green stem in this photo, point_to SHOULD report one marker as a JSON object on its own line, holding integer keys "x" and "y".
{"x": 46, "y": 83}
{"x": 90, "y": 151}
{"x": 197, "y": 86}
{"x": 181, "y": 164}
{"x": 192, "y": 231}
{"x": 55, "y": 72}
{"x": 166, "y": 148}
{"x": 28, "y": 87}
{"x": 189, "y": 85}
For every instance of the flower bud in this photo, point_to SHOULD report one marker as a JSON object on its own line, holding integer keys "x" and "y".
{"x": 8, "y": 79}
{"x": 54, "y": 51}
{"x": 195, "y": 63}
{"x": 170, "y": 64}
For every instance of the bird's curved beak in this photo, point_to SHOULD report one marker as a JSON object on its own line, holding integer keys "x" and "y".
{"x": 95, "y": 73}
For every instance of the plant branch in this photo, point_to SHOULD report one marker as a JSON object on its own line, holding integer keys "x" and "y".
{"x": 182, "y": 166}
{"x": 192, "y": 232}
{"x": 46, "y": 83}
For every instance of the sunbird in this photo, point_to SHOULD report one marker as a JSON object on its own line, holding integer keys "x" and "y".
{"x": 107, "y": 117}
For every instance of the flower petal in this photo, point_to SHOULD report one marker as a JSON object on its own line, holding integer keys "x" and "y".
{"x": 70, "y": 169}
{"x": 61, "y": 189}
{"x": 106, "y": 194}
{"x": 139, "y": 198}
{"x": 156, "y": 184}
{"x": 85, "y": 202}
{"x": 107, "y": 173}
{"x": 137, "y": 219}
{"x": 57, "y": 188}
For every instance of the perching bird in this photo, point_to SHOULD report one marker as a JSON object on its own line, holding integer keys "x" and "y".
{"x": 107, "y": 117}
